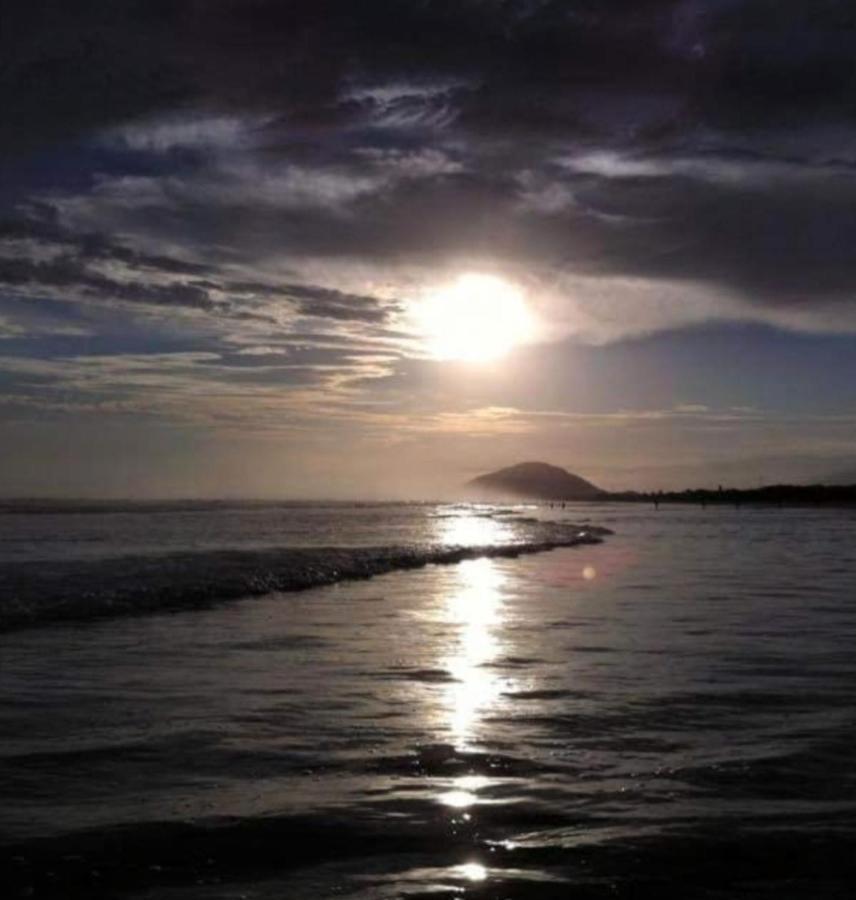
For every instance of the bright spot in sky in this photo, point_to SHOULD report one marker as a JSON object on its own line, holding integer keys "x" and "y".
{"x": 477, "y": 318}
{"x": 589, "y": 573}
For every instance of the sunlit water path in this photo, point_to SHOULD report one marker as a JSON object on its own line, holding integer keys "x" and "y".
{"x": 668, "y": 713}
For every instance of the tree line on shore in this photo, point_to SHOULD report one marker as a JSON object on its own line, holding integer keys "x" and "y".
{"x": 770, "y": 495}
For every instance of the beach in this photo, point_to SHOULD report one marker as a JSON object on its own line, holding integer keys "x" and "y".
{"x": 661, "y": 711}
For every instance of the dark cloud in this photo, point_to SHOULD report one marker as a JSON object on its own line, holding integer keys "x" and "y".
{"x": 71, "y": 258}
{"x": 70, "y": 67}
{"x": 68, "y": 272}
{"x": 773, "y": 243}
{"x": 318, "y": 302}
{"x": 765, "y": 61}
{"x": 324, "y": 303}
{"x": 71, "y": 269}
{"x": 532, "y": 64}
{"x": 425, "y": 130}
{"x": 89, "y": 247}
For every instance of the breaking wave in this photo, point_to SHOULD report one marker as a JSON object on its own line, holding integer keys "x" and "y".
{"x": 41, "y": 592}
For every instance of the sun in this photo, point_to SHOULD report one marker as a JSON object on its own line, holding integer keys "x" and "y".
{"x": 476, "y": 318}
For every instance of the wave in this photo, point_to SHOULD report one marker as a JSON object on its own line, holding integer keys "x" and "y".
{"x": 37, "y": 593}
{"x": 595, "y": 857}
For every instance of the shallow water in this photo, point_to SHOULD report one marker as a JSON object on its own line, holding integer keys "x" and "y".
{"x": 78, "y": 563}
{"x": 666, "y": 714}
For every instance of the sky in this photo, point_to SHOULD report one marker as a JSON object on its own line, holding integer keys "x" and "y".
{"x": 338, "y": 249}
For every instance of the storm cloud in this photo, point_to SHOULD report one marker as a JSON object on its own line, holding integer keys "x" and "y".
{"x": 426, "y": 130}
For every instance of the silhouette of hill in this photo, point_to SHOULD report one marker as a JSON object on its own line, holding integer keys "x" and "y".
{"x": 535, "y": 481}
{"x": 542, "y": 481}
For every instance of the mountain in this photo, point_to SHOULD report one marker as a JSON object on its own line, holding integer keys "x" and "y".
{"x": 535, "y": 481}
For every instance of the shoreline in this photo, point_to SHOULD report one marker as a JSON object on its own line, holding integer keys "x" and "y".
{"x": 39, "y": 594}
{"x": 781, "y": 495}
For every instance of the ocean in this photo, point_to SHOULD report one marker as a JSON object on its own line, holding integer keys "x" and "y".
{"x": 373, "y": 701}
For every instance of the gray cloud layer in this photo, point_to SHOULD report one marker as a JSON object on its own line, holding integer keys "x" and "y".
{"x": 271, "y": 183}
{"x": 428, "y": 129}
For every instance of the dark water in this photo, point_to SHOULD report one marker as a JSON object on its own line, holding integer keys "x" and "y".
{"x": 666, "y": 714}
{"x": 83, "y": 562}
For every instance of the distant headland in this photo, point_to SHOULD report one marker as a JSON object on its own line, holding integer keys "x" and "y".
{"x": 542, "y": 481}
{"x": 535, "y": 481}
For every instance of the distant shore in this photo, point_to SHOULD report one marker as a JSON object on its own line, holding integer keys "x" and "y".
{"x": 772, "y": 495}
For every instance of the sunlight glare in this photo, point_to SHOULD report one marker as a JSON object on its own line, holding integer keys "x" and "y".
{"x": 473, "y": 531}
{"x": 477, "y": 608}
{"x": 458, "y": 799}
{"x": 472, "y": 871}
{"x": 464, "y": 793}
{"x": 477, "y": 318}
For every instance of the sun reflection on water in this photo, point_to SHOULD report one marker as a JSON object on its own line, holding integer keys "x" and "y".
{"x": 477, "y": 608}
{"x": 464, "y": 792}
{"x": 474, "y": 530}
{"x": 471, "y": 872}
{"x": 471, "y": 614}
{"x": 458, "y": 799}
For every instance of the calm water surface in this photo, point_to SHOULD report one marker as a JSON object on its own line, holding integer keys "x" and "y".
{"x": 666, "y": 714}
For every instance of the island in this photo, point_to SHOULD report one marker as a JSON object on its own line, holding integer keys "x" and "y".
{"x": 534, "y": 481}
{"x": 544, "y": 482}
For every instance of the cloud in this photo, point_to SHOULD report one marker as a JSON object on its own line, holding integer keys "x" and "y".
{"x": 183, "y": 132}
{"x": 274, "y": 183}
{"x": 68, "y": 273}
{"x": 524, "y": 64}
{"x": 326, "y": 303}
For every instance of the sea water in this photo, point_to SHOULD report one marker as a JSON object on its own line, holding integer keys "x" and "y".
{"x": 666, "y": 711}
